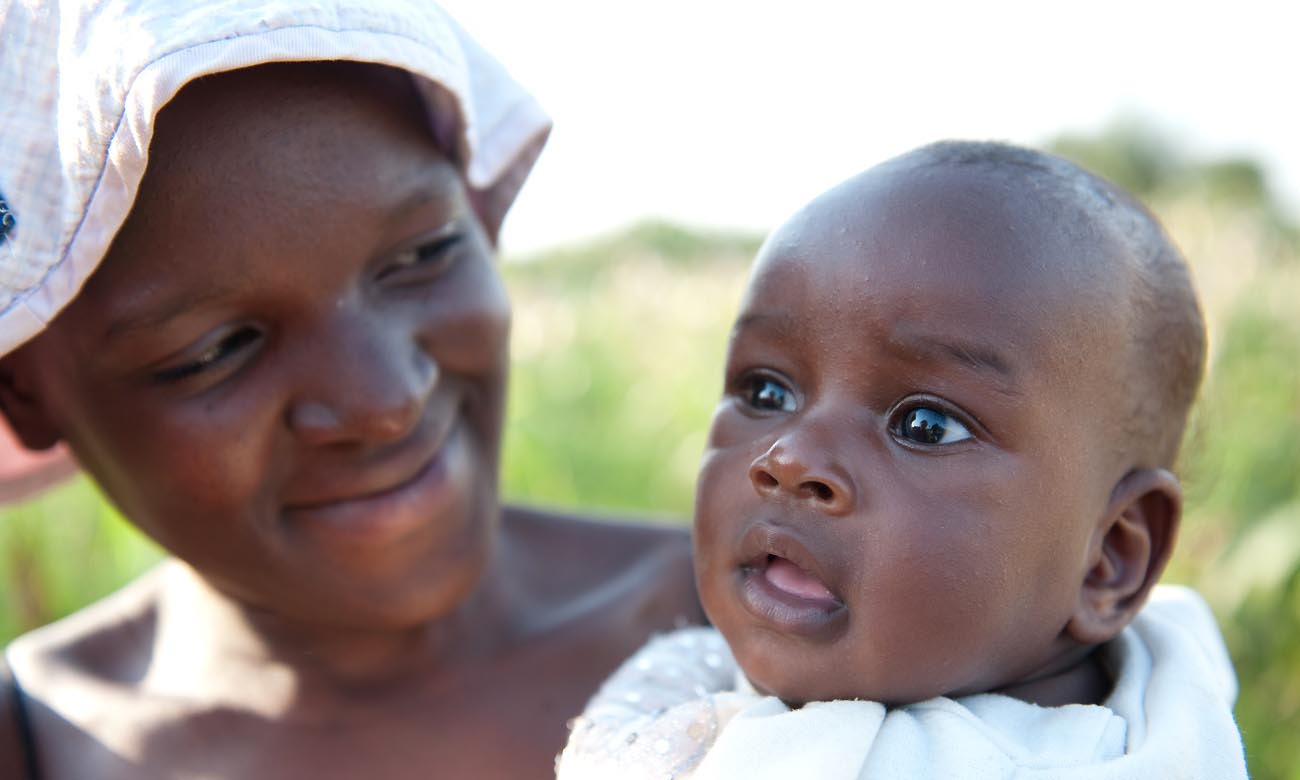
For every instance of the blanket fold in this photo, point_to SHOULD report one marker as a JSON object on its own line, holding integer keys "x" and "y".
{"x": 680, "y": 708}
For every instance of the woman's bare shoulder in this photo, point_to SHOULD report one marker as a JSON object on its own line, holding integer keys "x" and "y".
{"x": 12, "y": 749}
{"x": 102, "y": 641}
{"x": 647, "y": 564}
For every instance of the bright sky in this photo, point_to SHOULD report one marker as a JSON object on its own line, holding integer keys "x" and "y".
{"x": 724, "y": 113}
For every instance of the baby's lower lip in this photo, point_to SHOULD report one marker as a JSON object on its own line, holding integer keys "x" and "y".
{"x": 780, "y": 594}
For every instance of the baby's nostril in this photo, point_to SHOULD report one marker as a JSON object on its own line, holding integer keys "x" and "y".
{"x": 821, "y": 490}
{"x": 764, "y": 479}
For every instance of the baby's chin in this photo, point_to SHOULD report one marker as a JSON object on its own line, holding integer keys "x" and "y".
{"x": 796, "y": 693}
{"x": 807, "y": 672}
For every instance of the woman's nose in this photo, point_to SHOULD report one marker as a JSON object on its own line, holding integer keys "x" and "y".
{"x": 795, "y": 468}
{"x": 362, "y": 387}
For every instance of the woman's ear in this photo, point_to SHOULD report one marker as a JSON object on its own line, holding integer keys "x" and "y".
{"x": 23, "y": 409}
{"x": 1130, "y": 549}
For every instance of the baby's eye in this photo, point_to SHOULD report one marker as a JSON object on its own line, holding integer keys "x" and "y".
{"x": 767, "y": 394}
{"x": 925, "y": 425}
{"x": 425, "y": 261}
{"x": 210, "y": 357}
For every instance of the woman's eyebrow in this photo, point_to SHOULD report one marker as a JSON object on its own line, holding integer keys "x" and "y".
{"x": 419, "y": 189}
{"x": 415, "y": 199}
{"x": 150, "y": 314}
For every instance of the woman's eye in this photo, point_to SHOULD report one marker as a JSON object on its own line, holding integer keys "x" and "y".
{"x": 769, "y": 395}
{"x": 211, "y": 357}
{"x": 426, "y": 260}
{"x": 925, "y": 425}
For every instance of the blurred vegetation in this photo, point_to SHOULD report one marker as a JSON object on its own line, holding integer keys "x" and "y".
{"x": 618, "y": 350}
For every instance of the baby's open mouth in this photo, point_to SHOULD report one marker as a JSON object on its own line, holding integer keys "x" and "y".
{"x": 781, "y": 582}
{"x": 789, "y": 577}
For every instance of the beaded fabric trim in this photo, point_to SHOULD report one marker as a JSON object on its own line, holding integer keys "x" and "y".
{"x": 7, "y": 220}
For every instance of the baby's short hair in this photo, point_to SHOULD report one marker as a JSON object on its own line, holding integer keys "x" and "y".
{"x": 1166, "y": 355}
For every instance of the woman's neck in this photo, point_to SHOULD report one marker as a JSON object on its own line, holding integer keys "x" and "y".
{"x": 211, "y": 647}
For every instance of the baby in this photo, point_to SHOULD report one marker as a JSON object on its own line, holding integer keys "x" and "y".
{"x": 936, "y": 497}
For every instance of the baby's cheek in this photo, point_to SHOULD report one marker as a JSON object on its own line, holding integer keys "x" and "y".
{"x": 716, "y": 517}
{"x": 729, "y": 427}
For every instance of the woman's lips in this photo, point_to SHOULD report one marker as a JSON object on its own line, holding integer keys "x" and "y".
{"x": 385, "y": 515}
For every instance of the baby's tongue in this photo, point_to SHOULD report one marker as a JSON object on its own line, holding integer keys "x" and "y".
{"x": 792, "y": 579}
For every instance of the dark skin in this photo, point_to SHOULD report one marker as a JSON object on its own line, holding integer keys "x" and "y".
{"x": 10, "y": 745}
{"x": 917, "y": 482}
{"x": 289, "y": 371}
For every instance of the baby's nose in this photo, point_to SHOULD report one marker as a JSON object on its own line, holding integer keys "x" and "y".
{"x": 800, "y": 470}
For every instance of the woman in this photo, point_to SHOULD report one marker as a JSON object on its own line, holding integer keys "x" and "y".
{"x": 288, "y": 368}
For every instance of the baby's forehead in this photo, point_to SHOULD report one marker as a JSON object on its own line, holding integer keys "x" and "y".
{"x": 918, "y": 224}
{"x": 950, "y": 255}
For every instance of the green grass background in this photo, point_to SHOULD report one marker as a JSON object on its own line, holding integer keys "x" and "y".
{"x": 618, "y": 348}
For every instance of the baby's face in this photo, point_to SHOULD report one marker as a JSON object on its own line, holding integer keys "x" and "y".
{"x": 904, "y": 474}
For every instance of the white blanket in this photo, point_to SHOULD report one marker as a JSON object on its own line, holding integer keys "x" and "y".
{"x": 679, "y": 708}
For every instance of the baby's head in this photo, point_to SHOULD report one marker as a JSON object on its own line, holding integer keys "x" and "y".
{"x": 941, "y": 464}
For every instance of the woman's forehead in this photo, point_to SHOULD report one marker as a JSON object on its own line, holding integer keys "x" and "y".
{"x": 265, "y": 144}
{"x": 312, "y": 113}
{"x": 259, "y": 164}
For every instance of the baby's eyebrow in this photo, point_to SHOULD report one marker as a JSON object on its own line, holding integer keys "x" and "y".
{"x": 778, "y": 321}
{"x": 972, "y": 354}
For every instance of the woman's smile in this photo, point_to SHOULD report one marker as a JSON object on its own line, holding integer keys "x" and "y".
{"x": 382, "y": 509}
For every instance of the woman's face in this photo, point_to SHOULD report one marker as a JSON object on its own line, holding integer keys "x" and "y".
{"x": 289, "y": 370}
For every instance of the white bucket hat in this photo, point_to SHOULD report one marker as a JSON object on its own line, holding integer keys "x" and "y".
{"x": 81, "y": 82}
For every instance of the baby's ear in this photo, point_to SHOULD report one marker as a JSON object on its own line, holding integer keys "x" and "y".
{"x": 1129, "y": 551}
{"x": 25, "y": 412}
